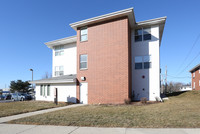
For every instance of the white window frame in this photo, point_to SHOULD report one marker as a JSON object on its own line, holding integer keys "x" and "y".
{"x": 142, "y": 29}
{"x": 59, "y": 70}
{"x": 83, "y": 62}
{"x": 143, "y": 62}
{"x": 85, "y": 34}
{"x": 59, "y": 50}
{"x": 193, "y": 74}
{"x": 199, "y": 70}
{"x": 194, "y": 85}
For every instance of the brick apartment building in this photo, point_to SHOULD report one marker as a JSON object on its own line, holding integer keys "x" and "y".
{"x": 195, "y": 72}
{"x": 112, "y": 58}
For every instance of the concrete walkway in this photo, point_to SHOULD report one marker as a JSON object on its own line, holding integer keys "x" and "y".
{"x": 14, "y": 117}
{"x": 40, "y": 129}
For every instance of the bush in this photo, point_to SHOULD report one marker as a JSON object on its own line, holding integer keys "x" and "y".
{"x": 143, "y": 100}
{"x": 127, "y": 101}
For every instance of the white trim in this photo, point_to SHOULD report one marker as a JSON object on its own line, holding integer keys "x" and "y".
{"x": 126, "y": 12}
{"x": 67, "y": 40}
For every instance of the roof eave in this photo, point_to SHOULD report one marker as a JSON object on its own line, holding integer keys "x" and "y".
{"x": 53, "y": 82}
{"x": 126, "y": 12}
{"x": 62, "y": 41}
{"x": 194, "y": 68}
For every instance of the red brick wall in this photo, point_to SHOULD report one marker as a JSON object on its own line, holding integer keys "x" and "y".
{"x": 196, "y": 80}
{"x": 108, "y": 74}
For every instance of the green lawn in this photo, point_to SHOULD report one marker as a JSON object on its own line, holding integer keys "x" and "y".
{"x": 182, "y": 111}
{"x": 18, "y": 107}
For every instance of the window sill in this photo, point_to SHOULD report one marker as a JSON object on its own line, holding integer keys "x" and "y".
{"x": 83, "y": 41}
{"x": 82, "y": 69}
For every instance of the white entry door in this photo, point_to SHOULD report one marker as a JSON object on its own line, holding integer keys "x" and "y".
{"x": 84, "y": 93}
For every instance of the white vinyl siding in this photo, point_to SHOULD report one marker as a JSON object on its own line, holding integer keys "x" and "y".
{"x": 84, "y": 34}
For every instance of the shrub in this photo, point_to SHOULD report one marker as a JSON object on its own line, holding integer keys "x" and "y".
{"x": 127, "y": 101}
{"x": 143, "y": 100}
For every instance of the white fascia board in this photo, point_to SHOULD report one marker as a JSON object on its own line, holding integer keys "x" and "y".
{"x": 155, "y": 21}
{"x": 126, "y": 12}
{"x": 67, "y": 40}
{"x": 52, "y": 82}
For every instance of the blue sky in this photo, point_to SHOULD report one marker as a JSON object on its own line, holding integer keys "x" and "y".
{"x": 26, "y": 24}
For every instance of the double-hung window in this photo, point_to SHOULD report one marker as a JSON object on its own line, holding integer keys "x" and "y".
{"x": 59, "y": 70}
{"x": 143, "y": 62}
{"x": 83, "y": 61}
{"x": 59, "y": 50}
{"x": 194, "y": 86}
{"x": 193, "y": 74}
{"x": 142, "y": 34}
{"x": 84, "y": 34}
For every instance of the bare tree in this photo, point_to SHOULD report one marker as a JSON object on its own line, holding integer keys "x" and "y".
{"x": 47, "y": 75}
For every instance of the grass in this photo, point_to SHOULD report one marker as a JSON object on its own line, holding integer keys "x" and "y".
{"x": 181, "y": 111}
{"x": 18, "y": 107}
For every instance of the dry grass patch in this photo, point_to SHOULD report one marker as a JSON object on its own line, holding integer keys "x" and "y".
{"x": 18, "y": 107}
{"x": 182, "y": 111}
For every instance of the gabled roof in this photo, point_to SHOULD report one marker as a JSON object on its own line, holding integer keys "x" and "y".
{"x": 61, "y": 79}
{"x": 195, "y": 68}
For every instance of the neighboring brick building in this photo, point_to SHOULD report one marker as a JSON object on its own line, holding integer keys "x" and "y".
{"x": 195, "y": 73}
{"x": 112, "y": 58}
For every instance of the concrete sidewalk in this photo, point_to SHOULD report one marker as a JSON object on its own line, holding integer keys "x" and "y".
{"x": 14, "y": 117}
{"x": 41, "y": 129}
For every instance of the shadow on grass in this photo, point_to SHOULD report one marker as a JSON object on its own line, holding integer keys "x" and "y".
{"x": 174, "y": 94}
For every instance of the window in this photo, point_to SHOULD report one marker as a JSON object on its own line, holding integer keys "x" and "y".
{"x": 142, "y": 34}
{"x": 138, "y": 62}
{"x": 41, "y": 88}
{"x": 193, "y": 74}
{"x": 194, "y": 86}
{"x": 147, "y": 62}
{"x": 199, "y": 70}
{"x": 59, "y": 70}
{"x": 59, "y": 50}
{"x": 143, "y": 62}
{"x": 138, "y": 35}
{"x": 147, "y": 34}
{"x": 48, "y": 90}
{"x": 84, "y": 34}
{"x": 83, "y": 61}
